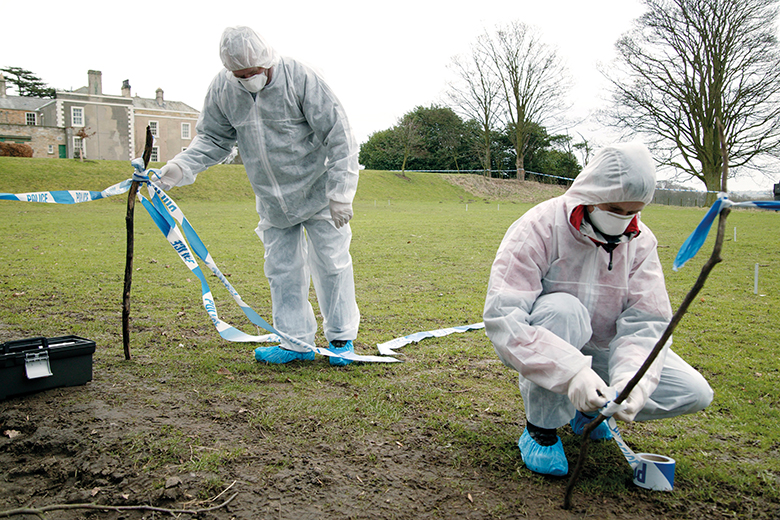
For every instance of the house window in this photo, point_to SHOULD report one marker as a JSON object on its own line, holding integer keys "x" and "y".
{"x": 185, "y": 130}
{"x": 30, "y": 118}
{"x": 78, "y": 147}
{"x": 77, "y": 116}
{"x": 51, "y": 148}
{"x": 155, "y": 154}
{"x": 153, "y": 128}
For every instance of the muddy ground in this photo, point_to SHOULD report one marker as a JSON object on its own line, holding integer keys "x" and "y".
{"x": 97, "y": 443}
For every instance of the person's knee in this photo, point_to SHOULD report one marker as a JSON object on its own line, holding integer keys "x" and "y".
{"x": 563, "y": 315}
{"x": 703, "y": 396}
{"x": 699, "y": 395}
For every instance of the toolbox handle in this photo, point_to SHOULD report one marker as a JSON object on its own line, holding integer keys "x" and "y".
{"x": 25, "y": 344}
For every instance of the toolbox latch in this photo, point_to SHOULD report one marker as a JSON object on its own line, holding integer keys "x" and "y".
{"x": 36, "y": 365}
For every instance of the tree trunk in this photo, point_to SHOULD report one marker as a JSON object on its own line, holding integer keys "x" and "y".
{"x": 487, "y": 162}
{"x": 520, "y": 164}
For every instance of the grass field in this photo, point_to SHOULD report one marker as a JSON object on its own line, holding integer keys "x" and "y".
{"x": 422, "y": 251}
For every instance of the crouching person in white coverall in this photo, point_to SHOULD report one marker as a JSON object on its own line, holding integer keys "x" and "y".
{"x": 576, "y": 302}
{"x": 301, "y": 159}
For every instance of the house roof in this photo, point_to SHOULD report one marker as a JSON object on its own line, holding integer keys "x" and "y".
{"x": 22, "y": 103}
{"x": 151, "y": 104}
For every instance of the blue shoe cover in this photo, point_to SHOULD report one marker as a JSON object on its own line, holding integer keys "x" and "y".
{"x": 601, "y": 433}
{"x": 547, "y": 460}
{"x": 277, "y": 355}
{"x": 337, "y": 361}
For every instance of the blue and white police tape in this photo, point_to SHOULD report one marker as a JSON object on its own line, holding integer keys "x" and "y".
{"x": 696, "y": 239}
{"x": 68, "y": 196}
{"x": 166, "y": 213}
{"x": 388, "y": 348}
{"x": 651, "y": 471}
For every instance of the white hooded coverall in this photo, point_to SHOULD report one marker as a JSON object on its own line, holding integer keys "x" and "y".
{"x": 555, "y": 304}
{"x": 299, "y": 153}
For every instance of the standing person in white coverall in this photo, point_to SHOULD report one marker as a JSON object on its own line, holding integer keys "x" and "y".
{"x": 301, "y": 158}
{"x": 577, "y": 300}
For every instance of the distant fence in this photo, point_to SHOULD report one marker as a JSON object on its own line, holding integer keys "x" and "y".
{"x": 680, "y": 197}
{"x": 667, "y": 197}
{"x": 697, "y": 199}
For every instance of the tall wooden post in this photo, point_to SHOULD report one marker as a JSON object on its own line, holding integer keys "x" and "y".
{"x": 129, "y": 218}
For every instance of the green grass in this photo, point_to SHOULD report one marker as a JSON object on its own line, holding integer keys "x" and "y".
{"x": 422, "y": 260}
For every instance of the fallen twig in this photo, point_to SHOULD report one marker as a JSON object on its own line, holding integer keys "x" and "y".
{"x": 210, "y": 500}
{"x": 40, "y": 511}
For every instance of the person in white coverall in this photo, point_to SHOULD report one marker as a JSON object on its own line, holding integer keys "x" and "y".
{"x": 301, "y": 159}
{"x": 576, "y": 302}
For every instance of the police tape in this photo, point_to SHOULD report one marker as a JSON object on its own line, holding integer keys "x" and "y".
{"x": 388, "y": 348}
{"x": 696, "y": 239}
{"x": 69, "y": 196}
{"x": 166, "y": 214}
{"x": 651, "y": 471}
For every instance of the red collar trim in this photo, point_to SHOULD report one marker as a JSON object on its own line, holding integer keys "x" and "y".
{"x": 576, "y": 217}
{"x": 633, "y": 227}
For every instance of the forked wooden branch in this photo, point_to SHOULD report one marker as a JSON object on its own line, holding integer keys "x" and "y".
{"x": 129, "y": 224}
{"x": 705, "y": 272}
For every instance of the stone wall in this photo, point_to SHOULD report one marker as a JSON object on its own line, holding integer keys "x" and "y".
{"x": 44, "y": 140}
{"x": 13, "y": 117}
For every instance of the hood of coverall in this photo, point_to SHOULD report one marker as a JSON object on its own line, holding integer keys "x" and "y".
{"x": 242, "y": 48}
{"x": 623, "y": 172}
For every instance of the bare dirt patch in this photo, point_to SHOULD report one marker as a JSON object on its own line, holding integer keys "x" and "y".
{"x": 505, "y": 189}
{"x": 134, "y": 436}
{"x": 79, "y": 445}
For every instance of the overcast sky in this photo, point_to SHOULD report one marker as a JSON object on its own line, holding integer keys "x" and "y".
{"x": 381, "y": 59}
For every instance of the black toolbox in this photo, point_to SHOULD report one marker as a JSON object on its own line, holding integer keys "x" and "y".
{"x": 35, "y": 364}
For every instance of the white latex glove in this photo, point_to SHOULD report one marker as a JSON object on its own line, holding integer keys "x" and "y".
{"x": 632, "y": 404}
{"x": 170, "y": 175}
{"x": 341, "y": 212}
{"x": 587, "y": 391}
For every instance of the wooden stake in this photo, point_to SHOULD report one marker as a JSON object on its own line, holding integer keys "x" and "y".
{"x": 129, "y": 221}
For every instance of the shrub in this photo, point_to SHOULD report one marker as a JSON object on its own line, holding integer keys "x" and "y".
{"x": 15, "y": 150}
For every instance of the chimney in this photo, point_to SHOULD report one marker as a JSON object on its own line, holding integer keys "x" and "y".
{"x": 160, "y": 100}
{"x": 126, "y": 88}
{"x": 2, "y": 85}
{"x": 95, "y": 83}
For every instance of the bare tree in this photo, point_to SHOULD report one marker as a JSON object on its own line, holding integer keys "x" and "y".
{"x": 476, "y": 95}
{"x": 532, "y": 78}
{"x": 83, "y": 134}
{"x": 688, "y": 63}
{"x": 408, "y": 128}
{"x": 585, "y": 148}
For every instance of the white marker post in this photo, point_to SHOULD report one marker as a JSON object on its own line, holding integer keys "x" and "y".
{"x": 755, "y": 281}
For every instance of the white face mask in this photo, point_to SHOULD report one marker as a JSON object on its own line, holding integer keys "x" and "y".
{"x": 255, "y": 83}
{"x": 610, "y": 223}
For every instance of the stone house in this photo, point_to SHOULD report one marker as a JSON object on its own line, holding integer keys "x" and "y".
{"x": 100, "y": 126}
{"x": 172, "y": 124}
{"x": 21, "y": 121}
